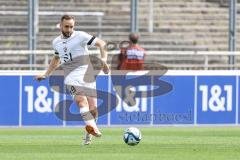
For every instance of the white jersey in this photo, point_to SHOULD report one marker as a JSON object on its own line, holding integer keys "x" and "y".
{"x": 71, "y": 48}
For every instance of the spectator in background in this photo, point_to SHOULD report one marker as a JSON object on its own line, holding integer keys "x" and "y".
{"x": 132, "y": 57}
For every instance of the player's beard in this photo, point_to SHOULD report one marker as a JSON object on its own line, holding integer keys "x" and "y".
{"x": 66, "y": 35}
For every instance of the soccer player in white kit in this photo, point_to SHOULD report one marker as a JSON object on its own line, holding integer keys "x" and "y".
{"x": 68, "y": 46}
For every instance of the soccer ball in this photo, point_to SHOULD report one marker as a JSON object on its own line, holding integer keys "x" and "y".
{"x": 132, "y": 136}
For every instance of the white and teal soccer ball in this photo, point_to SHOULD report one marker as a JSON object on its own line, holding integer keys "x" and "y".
{"x": 132, "y": 136}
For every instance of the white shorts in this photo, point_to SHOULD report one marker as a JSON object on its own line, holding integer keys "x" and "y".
{"x": 78, "y": 86}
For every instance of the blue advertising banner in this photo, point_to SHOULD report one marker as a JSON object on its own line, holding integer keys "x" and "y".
{"x": 216, "y": 100}
{"x": 133, "y": 100}
{"x": 38, "y": 102}
{"x": 177, "y": 98}
{"x": 9, "y": 104}
{"x": 176, "y": 106}
{"x": 237, "y": 100}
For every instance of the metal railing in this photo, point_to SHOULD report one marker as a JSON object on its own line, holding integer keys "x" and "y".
{"x": 33, "y": 24}
{"x": 202, "y": 60}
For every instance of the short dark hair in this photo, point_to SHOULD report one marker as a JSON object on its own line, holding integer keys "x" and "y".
{"x": 133, "y": 37}
{"x": 67, "y": 17}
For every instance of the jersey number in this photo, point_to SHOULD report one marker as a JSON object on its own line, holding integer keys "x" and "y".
{"x": 67, "y": 57}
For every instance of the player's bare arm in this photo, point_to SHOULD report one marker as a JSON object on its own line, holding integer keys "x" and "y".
{"x": 52, "y": 66}
{"x": 100, "y": 44}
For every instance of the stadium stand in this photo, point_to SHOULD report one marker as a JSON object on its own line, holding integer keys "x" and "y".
{"x": 13, "y": 27}
{"x": 179, "y": 25}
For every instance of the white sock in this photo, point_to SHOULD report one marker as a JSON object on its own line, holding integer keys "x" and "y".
{"x": 88, "y": 117}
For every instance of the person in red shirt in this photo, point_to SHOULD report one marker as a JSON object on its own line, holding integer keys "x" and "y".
{"x": 132, "y": 57}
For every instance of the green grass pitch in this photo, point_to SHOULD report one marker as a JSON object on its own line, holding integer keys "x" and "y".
{"x": 176, "y": 143}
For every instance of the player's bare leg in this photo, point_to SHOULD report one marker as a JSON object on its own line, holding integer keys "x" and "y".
{"x": 93, "y": 109}
{"x": 87, "y": 116}
{"x": 92, "y": 102}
